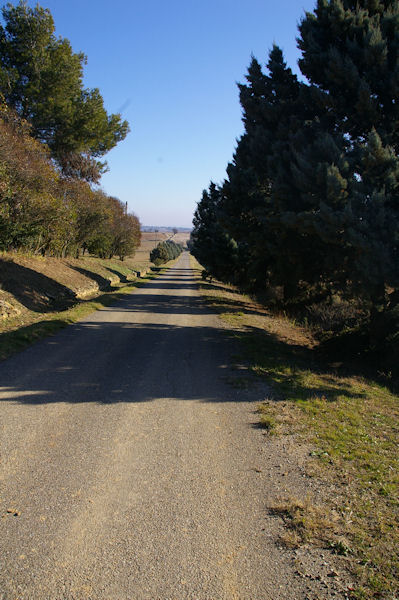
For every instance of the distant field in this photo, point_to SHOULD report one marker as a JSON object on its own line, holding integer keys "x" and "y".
{"x": 181, "y": 238}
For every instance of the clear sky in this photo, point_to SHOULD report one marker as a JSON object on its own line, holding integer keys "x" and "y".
{"x": 170, "y": 67}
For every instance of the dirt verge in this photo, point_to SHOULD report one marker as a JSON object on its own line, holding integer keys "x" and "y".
{"x": 344, "y": 429}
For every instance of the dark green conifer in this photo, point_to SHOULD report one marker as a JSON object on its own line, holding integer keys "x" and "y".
{"x": 210, "y": 242}
{"x": 351, "y": 52}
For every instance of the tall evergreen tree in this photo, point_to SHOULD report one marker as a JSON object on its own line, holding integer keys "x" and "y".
{"x": 259, "y": 191}
{"x": 210, "y": 242}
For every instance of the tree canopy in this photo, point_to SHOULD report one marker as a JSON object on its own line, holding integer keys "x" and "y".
{"x": 41, "y": 78}
{"x": 42, "y": 211}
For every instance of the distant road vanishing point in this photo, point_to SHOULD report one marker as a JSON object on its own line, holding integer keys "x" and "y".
{"x": 128, "y": 461}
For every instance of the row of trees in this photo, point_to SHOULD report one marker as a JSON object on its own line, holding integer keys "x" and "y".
{"x": 310, "y": 205}
{"x": 53, "y": 135}
{"x": 165, "y": 251}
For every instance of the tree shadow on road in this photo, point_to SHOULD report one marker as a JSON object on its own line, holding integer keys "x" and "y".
{"x": 107, "y": 363}
{"x": 123, "y": 359}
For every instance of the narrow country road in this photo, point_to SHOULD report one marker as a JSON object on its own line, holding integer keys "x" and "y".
{"x": 132, "y": 464}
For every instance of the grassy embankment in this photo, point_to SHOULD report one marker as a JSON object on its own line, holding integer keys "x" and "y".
{"x": 38, "y": 296}
{"x": 351, "y": 424}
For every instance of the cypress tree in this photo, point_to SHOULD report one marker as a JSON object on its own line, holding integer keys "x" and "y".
{"x": 210, "y": 242}
{"x": 258, "y": 191}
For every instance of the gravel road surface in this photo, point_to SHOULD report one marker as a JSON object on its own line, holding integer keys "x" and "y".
{"x": 131, "y": 465}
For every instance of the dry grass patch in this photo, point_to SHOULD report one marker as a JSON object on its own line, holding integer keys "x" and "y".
{"x": 305, "y": 521}
{"x": 284, "y": 421}
{"x": 267, "y": 420}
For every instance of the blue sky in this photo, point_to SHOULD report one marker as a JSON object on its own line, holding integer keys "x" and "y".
{"x": 171, "y": 67}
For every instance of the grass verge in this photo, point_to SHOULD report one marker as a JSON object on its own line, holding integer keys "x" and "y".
{"x": 352, "y": 424}
{"x": 19, "y": 334}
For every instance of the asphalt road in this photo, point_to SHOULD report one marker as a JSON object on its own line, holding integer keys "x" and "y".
{"x": 132, "y": 464}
